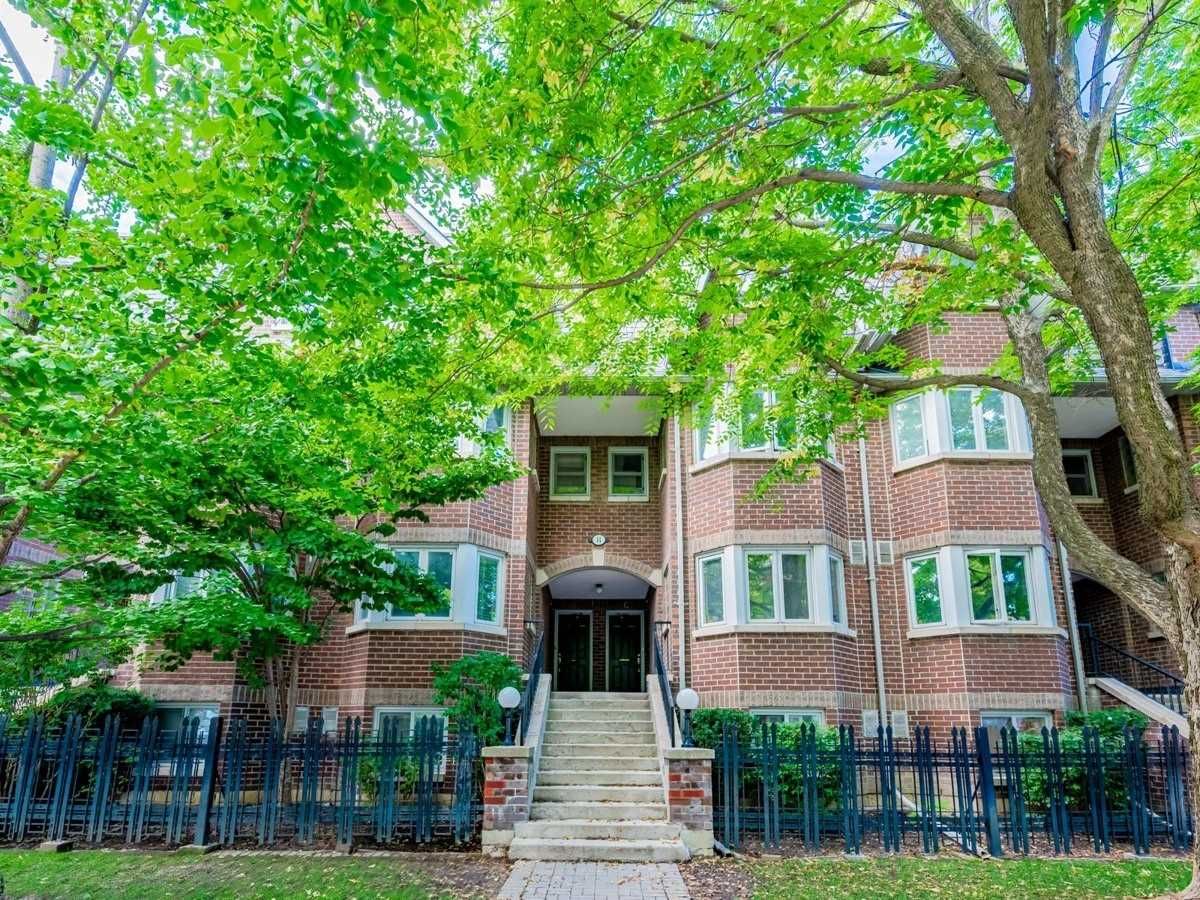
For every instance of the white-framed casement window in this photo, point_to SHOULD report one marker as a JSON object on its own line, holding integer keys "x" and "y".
{"x": 1128, "y": 463}
{"x": 1080, "y": 472}
{"x": 790, "y": 716}
{"x": 178, "y": 588}
{"x": 570, "y": 473}
{"x": 497, "y": 421}
{"x": 627, "y": 473}
{"x": 761, "y": 427}
{"x": 837, "y": 589}
{"x": 710, "y": 437}
{"x": 405, "y": 717}
{"x": 302, "y": 715}
{"x": 710, "y": 576}
{"x": 978, "y": 420}
{"x": 489, "y": 588}
{"x": 995, "y": 720}
{"x": 998, "y": 584}
{"x": 438, "y": 564}
{"x": 910, "y": 438}
{"x": 924, "y": 589}
{"x": 776, "y": 585}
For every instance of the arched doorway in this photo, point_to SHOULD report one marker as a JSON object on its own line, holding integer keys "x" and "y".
{"x": 598, "y": 628}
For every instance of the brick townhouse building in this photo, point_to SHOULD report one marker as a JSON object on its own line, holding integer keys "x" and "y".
{"x": 914, "y": 574}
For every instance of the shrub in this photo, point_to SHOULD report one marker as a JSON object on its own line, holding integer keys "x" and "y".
{"x": 468, "y": 687}
{"x": 94, "y": 701}
{"x": 407, "y": 772}
{"x": 709, "y": 723}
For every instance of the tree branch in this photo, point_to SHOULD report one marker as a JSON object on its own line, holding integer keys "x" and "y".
{"x": 18, "y": 63}
{"x": 640, "y": 27}
{"x": 1099, "y": 61}
{"x": 884, "y": 384}
{"x": 952, "y": 78}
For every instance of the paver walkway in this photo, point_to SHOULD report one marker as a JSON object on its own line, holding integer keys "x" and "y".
{"x": 594, "y": 881}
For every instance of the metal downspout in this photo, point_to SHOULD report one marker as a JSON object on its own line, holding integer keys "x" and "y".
{"x": 872, "y": 581}
{"x": 679, "y": 566}
{"x": 1073, "y": 627}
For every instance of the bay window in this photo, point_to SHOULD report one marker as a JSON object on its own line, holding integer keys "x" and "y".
{"x": 776, "y": 586}
{"x": 908, "y": 428}
{"x": 924, "y": 590}
{"x": 999, "y": 586}
{"x": 438, "y": 565}
{"x": 712, "y": 590}
{"x": 488, "y": 588}
{"x": 978, "y": 420}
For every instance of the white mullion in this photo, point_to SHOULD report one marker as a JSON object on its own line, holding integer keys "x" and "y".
{"x": 998, "y": 588}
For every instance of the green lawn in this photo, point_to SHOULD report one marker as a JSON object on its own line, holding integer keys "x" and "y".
{"x": 96, "y": 874}
{"x": 963, "y": 878}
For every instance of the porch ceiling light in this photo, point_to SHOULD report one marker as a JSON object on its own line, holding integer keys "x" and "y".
{"x": 599, "y": 588}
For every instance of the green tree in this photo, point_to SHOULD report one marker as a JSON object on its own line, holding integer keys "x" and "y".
{"x": 741, "y": 186}
{"x": 231, "y": 171}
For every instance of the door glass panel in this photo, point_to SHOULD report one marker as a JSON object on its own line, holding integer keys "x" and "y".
{"x": 962, "y": 419}
{"x": 983, "y": 596}
{"x": 1016, "y": 587}
{"x": 760, "y": 590}
{"x": 795, "y": 586}
{"x": 995, "y": 424}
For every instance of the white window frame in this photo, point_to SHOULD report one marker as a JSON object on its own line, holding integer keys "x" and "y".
{"x": 644, "y": 453}
{"x": 500, "y": 566}
{"x": 837, "y": 590}
{"x": 981, "y": 446}
{"x": 998, "y": 585}
{"x": 1091, "y": 471}
{"x": 423, "y": 551}
{"x": 556, "y": 452}
{"x": 777, "y": 554}
{"x": 921, "y": 401}
{"x": 721, "y": 443}
{"x": 792, "y": 716}
{"x": 909, "y": 561}
{"x": 701, "y": 618}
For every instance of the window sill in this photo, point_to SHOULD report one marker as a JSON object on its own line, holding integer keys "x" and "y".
{"x": 962, "y": 456}
{"x": 1088, "y": 501}
{"x": 1131, "y": 489}
{"x": 628, "y": 498}
{"x": 570, "y": 498}
{"x": 774, "y": 628}
{"x": 930, "y": 631}
{"x": 746, "y": 455}
{"x": 426, "y": 625}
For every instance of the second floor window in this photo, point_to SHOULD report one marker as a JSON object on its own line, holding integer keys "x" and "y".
{"x": 776, "y": 585}
{"x": 977, "y": 419}
{"x": 712, "y": 590}
{"x": 438, "y": 565}
{"x": 1081, "y": 479}
{"x": 570, "y": 473}
{"x": 627, "y": 473}
{"x": 908, "y": 427}
{"x": 487, "y": 589}
{"x": 1128, "y": 464}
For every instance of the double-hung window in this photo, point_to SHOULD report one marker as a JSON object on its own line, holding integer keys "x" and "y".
{"x": 924, "y": 590}
{"x": 488, "y": 587}
{"x": 570, "y": 473}
{"x": 712, "y": 589}
{"x": 438, "y": 565}
{"x": 999, "y": 586}
{"x": 978, "y": 419}
{"x": 627, "y": 479}
{"x": 1081, "y": 477}
{"x": 776, "y": 586}
{"x": 908, "y": 428}
{"x": 404, "y": 717}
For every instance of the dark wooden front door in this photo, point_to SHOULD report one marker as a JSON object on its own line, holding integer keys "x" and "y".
{"x": 573, "y": 652}
{"x": 625, "y": 653}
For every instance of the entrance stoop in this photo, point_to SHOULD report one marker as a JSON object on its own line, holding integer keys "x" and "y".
{"x": 599, "y": 793}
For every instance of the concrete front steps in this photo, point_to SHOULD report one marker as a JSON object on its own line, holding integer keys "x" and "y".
{"x": 599, "y": 793}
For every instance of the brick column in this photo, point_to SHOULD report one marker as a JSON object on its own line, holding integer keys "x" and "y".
{"x": 689, "y": 795}
{"x": 506, "y": 796}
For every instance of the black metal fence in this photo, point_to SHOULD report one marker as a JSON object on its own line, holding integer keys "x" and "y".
{"x": 1025, "y": 792}
{"x": 220, "y": 785}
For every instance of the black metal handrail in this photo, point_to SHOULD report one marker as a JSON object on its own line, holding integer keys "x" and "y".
{"x": 1107, "y": 660}
{"x": 664, "y": 686}
{"x": 531, "y": 684}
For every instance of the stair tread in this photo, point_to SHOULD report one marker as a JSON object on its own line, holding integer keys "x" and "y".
{"x": 588, "y": 842}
